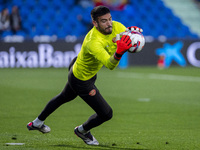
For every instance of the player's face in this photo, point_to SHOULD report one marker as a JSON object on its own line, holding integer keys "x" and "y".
{"x": 104, "y": 24}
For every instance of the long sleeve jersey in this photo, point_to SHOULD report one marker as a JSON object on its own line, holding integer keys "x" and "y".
{"x": 96, "y": 51}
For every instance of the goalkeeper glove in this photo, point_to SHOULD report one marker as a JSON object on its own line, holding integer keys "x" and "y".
{"x": 135, "y": 29}
{"x": 123, "y": 45}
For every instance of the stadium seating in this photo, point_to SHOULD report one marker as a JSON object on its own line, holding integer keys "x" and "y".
{"x": 64, "y": 17}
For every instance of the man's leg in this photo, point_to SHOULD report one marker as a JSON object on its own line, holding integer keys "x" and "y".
{"x": 101, "y": 107}
{"x": 65, "y": 96}
{"x": 103, "y": 113}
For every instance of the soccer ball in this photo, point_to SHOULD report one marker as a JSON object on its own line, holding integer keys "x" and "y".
{"x": 137, "y": 47}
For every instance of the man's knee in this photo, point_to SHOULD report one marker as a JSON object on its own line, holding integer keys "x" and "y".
{"x": 108, "y": 116}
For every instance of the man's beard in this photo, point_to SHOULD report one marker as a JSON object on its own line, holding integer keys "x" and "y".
{"x": 103, "y": 31}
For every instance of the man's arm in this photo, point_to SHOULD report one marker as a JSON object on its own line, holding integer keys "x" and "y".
{"x": 123, "y": 45}
{"x": 102, "y": 55}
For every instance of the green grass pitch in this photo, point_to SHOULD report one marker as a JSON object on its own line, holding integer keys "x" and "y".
{"x": 153, "y": 109}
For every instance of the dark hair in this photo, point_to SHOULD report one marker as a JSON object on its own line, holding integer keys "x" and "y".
{"x": 99, "y": 11}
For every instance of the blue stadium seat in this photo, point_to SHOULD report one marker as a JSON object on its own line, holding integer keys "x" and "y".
{"x": 60, "y": 17}
{"x": 15, "y": 2}
{"x": 69, "y": 3}
{"x": 6, "y": 33}
{"x": 21, "y": 32}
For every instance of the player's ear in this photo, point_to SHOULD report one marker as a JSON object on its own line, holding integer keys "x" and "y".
{"x": 95, "y": 23}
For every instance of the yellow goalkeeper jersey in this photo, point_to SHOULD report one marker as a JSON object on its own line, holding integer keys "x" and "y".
{"x": 96, "y": 51}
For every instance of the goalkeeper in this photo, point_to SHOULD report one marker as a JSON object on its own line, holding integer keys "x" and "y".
{"x": 100, "y": 47}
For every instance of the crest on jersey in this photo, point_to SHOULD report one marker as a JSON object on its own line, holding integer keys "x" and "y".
{"x": 92, "y": 92}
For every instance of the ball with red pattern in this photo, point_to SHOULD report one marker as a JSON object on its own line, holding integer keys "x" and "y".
{"x": 139, "y": 44}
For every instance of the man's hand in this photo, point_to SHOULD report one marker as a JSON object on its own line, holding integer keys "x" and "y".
{"x": 114, "y": 40}
{"x": 123, "y": 45}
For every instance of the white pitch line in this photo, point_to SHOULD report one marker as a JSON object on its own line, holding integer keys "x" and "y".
{"x": 158, "y": 76}
{"x": 144, "y": 99}
{"x": 15, "y": 144}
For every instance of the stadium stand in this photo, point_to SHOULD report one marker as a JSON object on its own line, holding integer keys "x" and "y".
{"x": 65, "y": 17}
